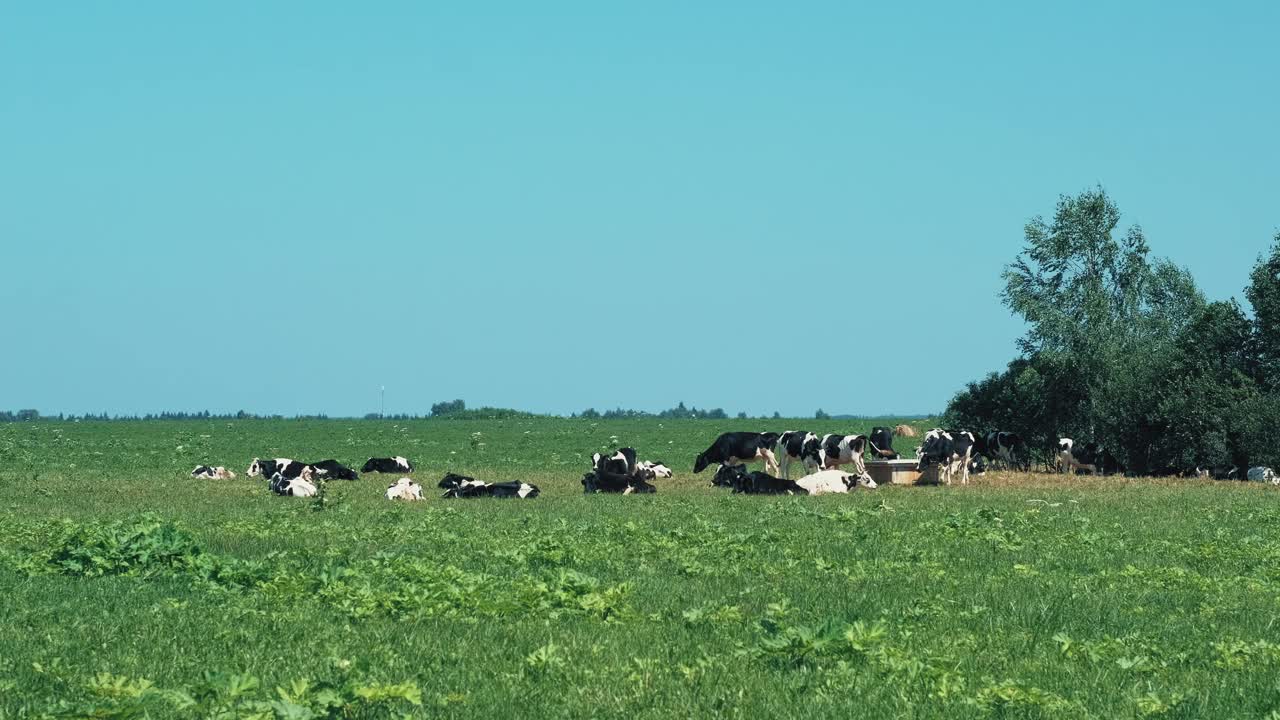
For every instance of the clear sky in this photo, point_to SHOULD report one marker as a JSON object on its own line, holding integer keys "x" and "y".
{"x": 282, "y": 206}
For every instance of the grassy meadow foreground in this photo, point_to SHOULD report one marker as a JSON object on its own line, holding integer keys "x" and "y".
{"x": 126, "y": 588}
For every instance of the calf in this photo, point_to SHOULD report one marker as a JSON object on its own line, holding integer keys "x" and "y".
{"x": 882, "y": 444}
{"x": 1092, "y": 457}
{"x": 603, "y": 481}
{"x": 300, "y": 486}
{"x": 461, "y": 486}
{"x": 404, "y": 489}
{"x": 737, "y": 448}
{"x": 395, "y": 464}
{"x": 826, "y": 482}
{"x": 334, "y": 470}
{"x": 758, "y": 483}
{"x": 950, "y": 451}
{"x": 798, "y": 445}
{"x": 1263, "y": 474}
{"x": 212, "y": 473}
{"x": 658, "y": 468}
{"x": 840, "y": 450}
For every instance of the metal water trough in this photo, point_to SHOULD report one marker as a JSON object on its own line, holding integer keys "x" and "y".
{"x": 901, "y": 472}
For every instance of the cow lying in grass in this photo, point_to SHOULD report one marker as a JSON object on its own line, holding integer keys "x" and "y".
{"x": 300, "y": 486}
{"x": 603, "y": 481}
{"x": 825, "y": 482}
{"x": 622, "y": 473}
{"x": 461, "y": 486}
{"x": 1263, "y": 474}
{"x": 404, "y": 489}
{"x": 624, "y": 462}
{"x": 212, "y": 473}
{"x": 395, "y": 464}
{"x": 754, "y": 482}
{"x": 289, "y": 468}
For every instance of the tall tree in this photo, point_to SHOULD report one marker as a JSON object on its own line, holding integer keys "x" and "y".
{"x": 1264, "y": 295}
{"x": 1092, "y": 299}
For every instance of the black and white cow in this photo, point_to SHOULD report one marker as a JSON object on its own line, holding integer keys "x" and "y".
{"x": 837, "y": 450}
{"x": 300, "y": 486}
{"x": 395, "y": 464}
{"x": 404, "y": 489}
{"x": 1090, "y": 457}
{"x": 212, "y": 473}
{"x": 881, "y": 443}
{"x": 725, "y": 475}
{"x": 1003, "y": 448}
{"x": 799, "y": 446}
{"x": 951, "y": 451}
{"x": 334, "y": 470}
{"x": 1263, "y": 474}
{"x": 284, "y": 467}
{"x": 461, "y": 486}
{"x": 622, "y": 462}
{"x": 825, "y": 482}
{"x": 759, "y": 483}
{"x": 603, "y": 481}
{"x": 737, "y": 448}
{"x": 657, "y": 467}
{"x": 978, "y": 465}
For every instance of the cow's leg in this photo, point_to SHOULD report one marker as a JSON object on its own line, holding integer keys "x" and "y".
{"x": 770, "y": 460}
{"x": 785, "y": 461}
{"x": 964, "y": 477}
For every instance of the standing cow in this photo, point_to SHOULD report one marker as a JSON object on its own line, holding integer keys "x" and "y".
{"x": 837, "y": 450}
{"x": 737, "y": 448}
{"x": 799, "y": 446}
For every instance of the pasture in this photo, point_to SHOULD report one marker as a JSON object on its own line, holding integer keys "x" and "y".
{"x": 128, "y": 588}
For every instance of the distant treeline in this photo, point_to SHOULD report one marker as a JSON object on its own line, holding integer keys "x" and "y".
{"x": 449, "y": 410}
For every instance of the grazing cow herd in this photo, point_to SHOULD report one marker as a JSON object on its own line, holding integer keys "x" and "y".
{"x": 954, "y": 453}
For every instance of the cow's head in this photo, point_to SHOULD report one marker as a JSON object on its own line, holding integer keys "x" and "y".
{"x": 368, "y": 466}
{"x": 728, "y": 475}
{"x": 255, "y": 468}
{"x": 454, "y": 481}
{"x": 701, "y": 463}
{"x": 864, "y": 480}
{"x": 1065, "y": 444}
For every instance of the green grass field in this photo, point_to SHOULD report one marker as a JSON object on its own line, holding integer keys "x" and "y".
{"x": 129, "y": 590}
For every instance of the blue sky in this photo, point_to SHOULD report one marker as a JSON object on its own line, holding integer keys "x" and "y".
{"x": 282, "y": 206}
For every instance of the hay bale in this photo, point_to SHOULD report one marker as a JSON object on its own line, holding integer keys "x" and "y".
{"x": 904, "y": 431}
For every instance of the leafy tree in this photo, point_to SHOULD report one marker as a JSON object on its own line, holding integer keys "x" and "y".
{"x": 821, "y": 415}
{"x": 590, "y": 413}
{"x": 1092, "y": 300}
{"x": 1264, "y": 295}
